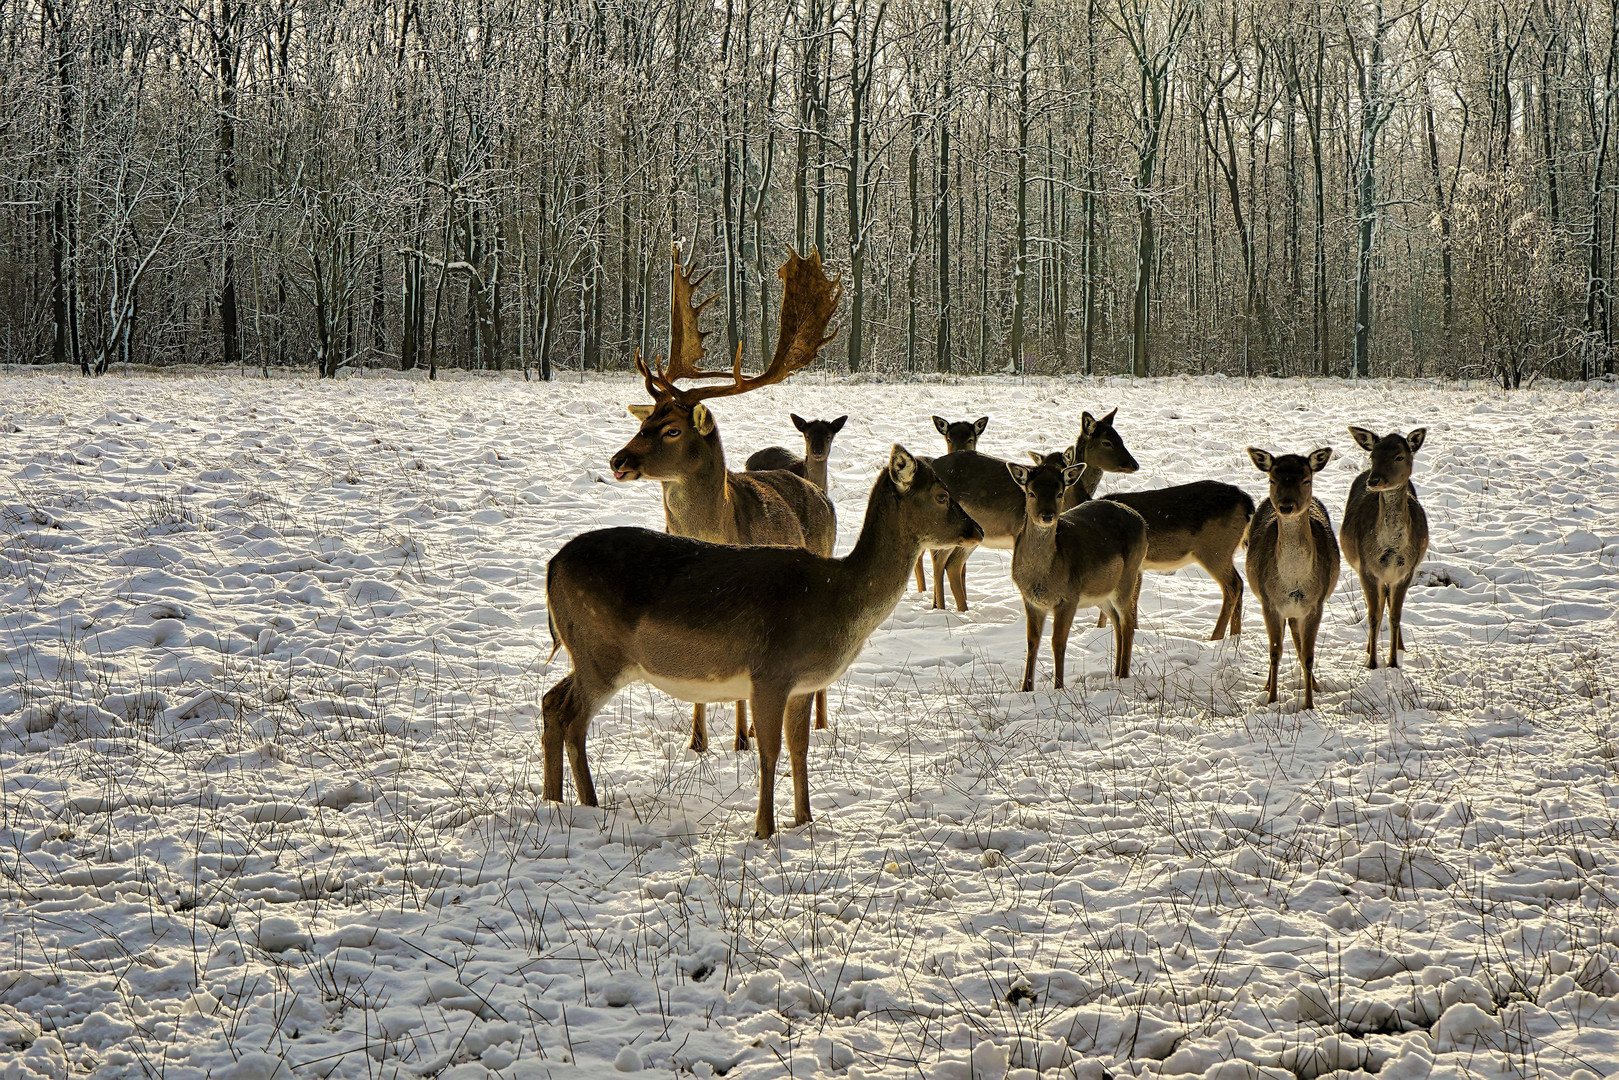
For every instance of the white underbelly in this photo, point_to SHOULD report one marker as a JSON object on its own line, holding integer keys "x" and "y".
{"x": 1167, "y": 564}
{"x": 736, "y": 688}
{"x": 999, "y": 543}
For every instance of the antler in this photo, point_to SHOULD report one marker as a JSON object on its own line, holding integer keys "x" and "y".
{"x": 807, "y": 303}
{"x": 686, "y": 349}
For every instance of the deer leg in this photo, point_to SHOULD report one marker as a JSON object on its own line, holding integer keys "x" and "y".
{"x": 820, "y": 710}
{"x": 798, "y": 728}
{"x": 941, "y": 557}
{"x": 1101, "y": 617}
{"x": 1230, "y": 620}
{"x": 1235, "y": 628}
{"x": 1034, "y": 622}
{"x": 956, "y": 568}
{"x": 1306, "y": 648}
{"x": 768, "y": 709}
{"x": 1396, "y": 610}
{"x": 1062, "y": 620}
{"x": 699, "y": 729}
{"x": 555, "y": 708}
{"x": 1273, "y": 630}
{"x": 1124, "y": 629}
{"x": 741, "y": 726}
{"x": 566, "y": 712}
{"x": 1372, "y": 589}
{"x": 921, "y": 576}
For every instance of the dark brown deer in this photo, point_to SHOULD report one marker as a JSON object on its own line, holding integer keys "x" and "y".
{"x": 1385, "y": 532}
{"x": 1089, "y": 556}
{"x": 818, "y": 436}
{"x": 702, "y": 622}
{"x": 1292, "y": 558}
{"x": 1100, "y": 449}
{"x": 1202, "y": 522}
{"x": 960, "y": 436}
{"x": 995, "y": 501}
{"x": 679, "y": 443}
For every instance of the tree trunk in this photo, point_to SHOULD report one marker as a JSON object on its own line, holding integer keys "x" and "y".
{"x": 942, "y": 353}
{"x": 1020, "y": 269}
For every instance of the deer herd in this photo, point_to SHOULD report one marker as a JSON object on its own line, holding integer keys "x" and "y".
{"x": 741, "y": 599}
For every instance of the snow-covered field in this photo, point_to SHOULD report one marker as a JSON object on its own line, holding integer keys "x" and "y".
{"x": 271, "y": 657}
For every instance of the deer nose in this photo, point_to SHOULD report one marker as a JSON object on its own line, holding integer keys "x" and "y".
{"x": 1376, "y": 482}
{"x": 623, "y": 465}
{"x": 1286, "y": 507}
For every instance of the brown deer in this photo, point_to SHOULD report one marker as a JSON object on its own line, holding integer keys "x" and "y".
{"x": 679, "y": 443}
{"x": 995, "y": 501}
{"x": 1292, "y": 558}
{"x": 1100, "y": 449}
{"x": 960, "y": 436}
{"x": 774, "y": 625}
{"x": 1385, "y": 532}
{"x": 1062, "y": 562}
{"x": 818, "y": 436}
{"x": 1202, "y": 522}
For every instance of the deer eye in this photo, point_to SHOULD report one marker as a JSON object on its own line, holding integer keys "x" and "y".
{"x": 671, "y": 433}
{"x": 942, "y": 499}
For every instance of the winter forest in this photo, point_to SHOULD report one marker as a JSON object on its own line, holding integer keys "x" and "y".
{"x": 1325, "y": 187}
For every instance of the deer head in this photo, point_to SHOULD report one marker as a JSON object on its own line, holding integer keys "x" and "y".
{"x": 1292, "y": 477}
{"x": 1392, "y": 456}
{"x": 677, "y": 429}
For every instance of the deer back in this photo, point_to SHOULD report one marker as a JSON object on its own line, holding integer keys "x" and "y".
{"x": 986, "y": 491}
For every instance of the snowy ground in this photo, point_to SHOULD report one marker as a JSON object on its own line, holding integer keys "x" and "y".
{"x": 271, "y": 656}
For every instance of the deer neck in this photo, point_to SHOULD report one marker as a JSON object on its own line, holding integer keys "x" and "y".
{"x": 1091, "y": 477}
{"x": 815, "y": 471}
{"x": 1295, "y": 539}
{"x": 1036, "y": 544}
{"x": 879, "y": 567}
{"x": 698, "y": 503}
{"x": 1394, "y": 506}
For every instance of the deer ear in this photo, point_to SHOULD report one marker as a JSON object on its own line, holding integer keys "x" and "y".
{"x": 1071, "y": 475}
{"x": 798, "y": 421}
{"x": 641, "y": 412}
{"x": 1262, "y": 460}
{"x": 902, "y": 468}
{"x": 1020, "y": 473}
{"x": 1417, "y": 438}
{"x": 980, "y": 424}
{"x": 1108, "y": 419}
{"x": 1366, "y": 440}
{"x": 1319, "y": 458}
{"x": 837, "y": 425}
{"x": 943, "y": 425}
{"x": 1070, "y": 456}
{"x": 1087, "y": 423}
{"x": 1037, "y": 457}
{"x": 702, "y": 419}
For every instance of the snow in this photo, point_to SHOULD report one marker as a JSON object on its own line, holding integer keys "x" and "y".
{"x": 271, "y": 656}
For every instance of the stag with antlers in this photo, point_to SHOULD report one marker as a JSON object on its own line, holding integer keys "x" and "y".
{"x": 679, "y": 443}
